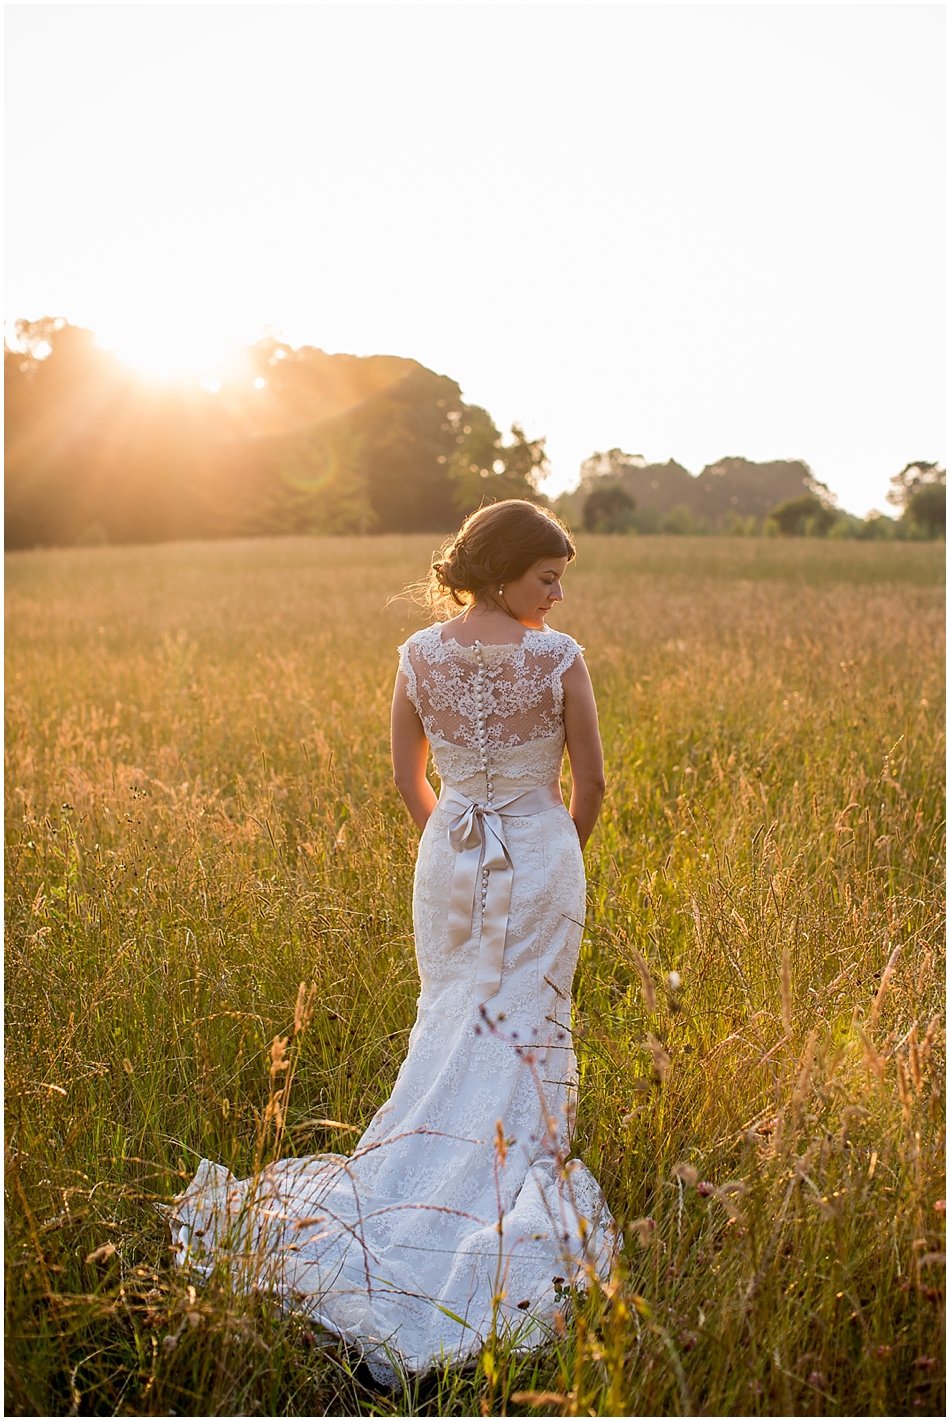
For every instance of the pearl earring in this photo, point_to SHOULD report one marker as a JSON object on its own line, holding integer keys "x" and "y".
{"x": 500, "y": 591}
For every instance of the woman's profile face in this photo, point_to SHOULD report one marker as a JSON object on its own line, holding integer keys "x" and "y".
{"x": 531, "y": 597}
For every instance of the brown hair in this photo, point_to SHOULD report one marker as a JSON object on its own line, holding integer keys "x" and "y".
{"x": 495, "y": 545}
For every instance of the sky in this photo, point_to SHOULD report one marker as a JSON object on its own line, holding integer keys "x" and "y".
{"x": 686, "y": 231}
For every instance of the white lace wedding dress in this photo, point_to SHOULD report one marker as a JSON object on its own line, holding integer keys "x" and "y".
{"x": 459, "y": 1211}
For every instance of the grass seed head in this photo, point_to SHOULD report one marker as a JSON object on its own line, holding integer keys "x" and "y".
{"x": 661, "y": 1059}
{"x": 303, "y": 1011}
{"x": 886, "y": 976}
{"x": 913, "y": 1059}
{"x": 646, "y": 980}
{"x": 644, "y": 1230}
{"x": 786, "y": 986}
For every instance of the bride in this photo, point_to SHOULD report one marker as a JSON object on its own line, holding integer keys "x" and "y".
{"x": 460, "y": 1215}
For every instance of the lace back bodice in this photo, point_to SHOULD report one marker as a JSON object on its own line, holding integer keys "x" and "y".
{"x": 494, "y": 715}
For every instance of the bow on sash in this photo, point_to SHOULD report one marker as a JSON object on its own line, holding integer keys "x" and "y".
{"x": 477, "y": 834}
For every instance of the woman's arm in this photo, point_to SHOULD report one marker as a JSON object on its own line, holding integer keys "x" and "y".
{"x": 583, "y": 748}
{"x": 410, "y": 755}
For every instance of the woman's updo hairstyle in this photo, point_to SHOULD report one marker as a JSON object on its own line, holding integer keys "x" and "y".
{"x": 495, "y": 545}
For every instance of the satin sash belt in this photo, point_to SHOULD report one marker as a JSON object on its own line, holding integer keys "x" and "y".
{"x": 477, "y": 834}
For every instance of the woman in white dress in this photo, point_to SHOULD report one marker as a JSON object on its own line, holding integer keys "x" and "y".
{"x": 460, "y": 1215}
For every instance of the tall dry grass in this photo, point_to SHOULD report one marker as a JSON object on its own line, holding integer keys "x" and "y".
{"x": 200, "y": 818}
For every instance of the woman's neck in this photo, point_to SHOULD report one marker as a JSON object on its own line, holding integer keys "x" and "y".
{"x": 492, "y": 626}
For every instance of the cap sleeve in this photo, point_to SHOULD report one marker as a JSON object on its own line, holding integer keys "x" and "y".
{"x": 409, "y": 671}
{"x": 568, "y": 651}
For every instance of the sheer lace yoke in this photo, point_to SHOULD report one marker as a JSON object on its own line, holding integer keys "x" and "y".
{"x": 511, "y": 693}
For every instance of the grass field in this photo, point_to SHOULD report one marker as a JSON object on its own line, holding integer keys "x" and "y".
{"x": 200, "y": 817}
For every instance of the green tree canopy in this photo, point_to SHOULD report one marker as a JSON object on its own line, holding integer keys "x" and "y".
{"x": 483, "y": 466}
{"x": 723, "y": 495}
{"x": 927, "y": 509}
{"x": 914, "y": 477}
{"x": 806, "y": 517}
{"x": 609, "y": 509}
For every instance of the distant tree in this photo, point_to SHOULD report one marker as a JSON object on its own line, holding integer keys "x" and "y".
{"x": 920, "y": 491}
{"x": 912, "y": 478}
{"x": 609, "y": 510}
{"x": 682, "y": 520}
{"x": 525, "y": 460}
{"x": 927, "y": 509}
{"x": 401, "y": 437}
{"x": 736, "y": 526}
{"x": 610, "y": 465}
{"x": 648, "y": 520}
{"x": 804, "y": 517}
{"x": 342, "y": 445}
{"x": 483, "y": 467}
{"x": 308, "y": 481}
{"x": 876, "y": 527}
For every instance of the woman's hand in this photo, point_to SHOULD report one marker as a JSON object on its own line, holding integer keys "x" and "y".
{"x": 410, "y": 751}
{"x": 583, "y": 748}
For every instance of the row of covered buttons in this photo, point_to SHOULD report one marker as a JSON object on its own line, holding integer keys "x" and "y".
{"x": 482, "y": 745}
{"x": 480, "y": 714}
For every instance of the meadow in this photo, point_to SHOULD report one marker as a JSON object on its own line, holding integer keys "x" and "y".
{"x": 200, "y": 817}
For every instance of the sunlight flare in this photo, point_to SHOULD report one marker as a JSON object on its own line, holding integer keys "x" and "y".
{"x": 177, "y": 352}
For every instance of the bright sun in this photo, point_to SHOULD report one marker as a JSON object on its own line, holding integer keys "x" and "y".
{"x": 177, "y": 352}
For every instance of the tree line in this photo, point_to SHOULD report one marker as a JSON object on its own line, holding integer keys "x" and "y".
{"x": 298, "y": 441}
{"x": 622, "y": 493}
{"x": 293, "y": 441}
